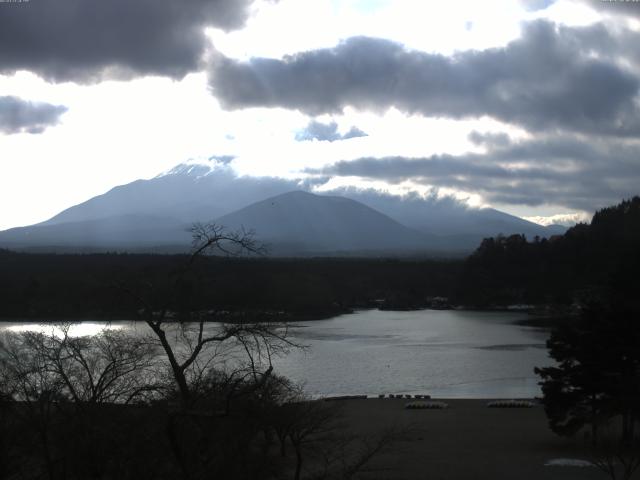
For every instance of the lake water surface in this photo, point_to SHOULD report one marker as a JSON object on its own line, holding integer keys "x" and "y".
{"x": 444, "y": 353}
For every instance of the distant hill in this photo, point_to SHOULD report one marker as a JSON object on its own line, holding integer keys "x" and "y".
{"x": 154, "y": 214}
{"x": 303, "y": 223}
{"x": 449, "y": 218}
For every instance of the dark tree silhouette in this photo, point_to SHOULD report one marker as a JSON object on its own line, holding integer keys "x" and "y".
{"x": 66, "y": 392}
{"x": 601, "y": 258}
{"x": 196, "y": 349}
{"x": 108, "y": 367}
{"x": 598, "y": 373}
{"x": 618, "y": 460}
{"x": 192, "y": 347}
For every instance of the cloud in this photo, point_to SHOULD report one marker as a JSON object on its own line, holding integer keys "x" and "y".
{"x": 489, "y": 139}
{"x": 615, "y": 7}
{"x": 327, "y": 132}
{"x": 222, "y": 159}
{"x": 564, "y": 219}
{"x": 85, "y": 41}
{"x": 17, "y": 115}
{"x": 558, "y": 170}
{"x": 614, "y": 45}
{"x": 535, "y": 5}
{"x": 544, "y": 81}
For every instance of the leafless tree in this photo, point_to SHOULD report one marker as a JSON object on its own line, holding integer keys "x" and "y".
{"x": 212, "y": 238}
{"x": 26, "y": 378}
{"x": 206, "y": 354}
{"x": 68, "y": 396}
{"x": 193, "y": 348}
{"x": 309, "y": 422}
{"x": 109, "y": 367}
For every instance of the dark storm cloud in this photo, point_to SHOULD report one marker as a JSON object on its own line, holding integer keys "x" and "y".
{"x": 86, "y": 41}
{"x": 619, "y": 7}
{"x": 327, "y": 132}
{"x": 17, "y": 115}
{"x": 560, "y": 170}
{"x": 610, "y": 44}
{"x": 489, "y": 139}
{"x": 544, "y": 81}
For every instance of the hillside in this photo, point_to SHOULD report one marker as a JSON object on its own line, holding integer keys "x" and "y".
{"x": 590, "y": 260}
{"x": 303, "y": 223}
{"x": 153, "y": 215}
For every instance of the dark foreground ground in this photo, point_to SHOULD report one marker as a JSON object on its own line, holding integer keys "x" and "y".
{"x": 467, "y": 441}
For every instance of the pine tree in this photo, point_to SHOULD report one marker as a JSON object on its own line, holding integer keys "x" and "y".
{"x": 597, "y": 376}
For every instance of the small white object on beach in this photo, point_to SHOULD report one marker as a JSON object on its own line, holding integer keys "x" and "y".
{"x": 511, "y": 404}
{"x": 425, "y": 405}
{"x": 568, "y": 462}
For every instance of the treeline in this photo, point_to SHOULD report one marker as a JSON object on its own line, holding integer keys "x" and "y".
{"x": 106, "y": 285}
{"x": 598, "y": 259}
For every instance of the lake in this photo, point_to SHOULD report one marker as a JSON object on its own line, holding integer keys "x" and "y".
{"x": 444, "y": 353}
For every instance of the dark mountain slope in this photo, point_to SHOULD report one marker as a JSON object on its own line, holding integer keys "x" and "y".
{"x": 298, "y": 222}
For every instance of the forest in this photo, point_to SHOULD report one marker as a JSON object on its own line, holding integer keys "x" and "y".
{"x": 600, "y": 258}
{"x": 75, "y": 286}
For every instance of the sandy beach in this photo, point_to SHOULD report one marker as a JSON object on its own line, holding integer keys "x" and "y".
{"x": 467, "y": 440}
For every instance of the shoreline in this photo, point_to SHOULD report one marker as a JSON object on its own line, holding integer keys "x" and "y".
{"x": 539, "y": 316}
{"x": 367, "y": 397}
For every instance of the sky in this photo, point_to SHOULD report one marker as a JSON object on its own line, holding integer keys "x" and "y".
{"x": 531, "y": 107}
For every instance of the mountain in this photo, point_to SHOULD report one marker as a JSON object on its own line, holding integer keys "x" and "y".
{"x": 187, "y": 192}
{"x": 303, "y": 223}
{"x": 295, "y": 223}
{"x": 155, "y": 214}
{"x": 124, "y": 233}
{"x": 448, "y": 217}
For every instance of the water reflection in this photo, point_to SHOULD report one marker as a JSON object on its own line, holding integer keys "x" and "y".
{"x": 442, "y": 353}
{"x": 80, "y": 329}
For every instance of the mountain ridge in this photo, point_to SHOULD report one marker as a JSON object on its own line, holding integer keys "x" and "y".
{"x": 157, "y": 212}
{"x": 324, "y": 223}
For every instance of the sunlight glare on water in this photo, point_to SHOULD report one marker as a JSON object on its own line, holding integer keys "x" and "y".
{"x": 80, "y": 329}
{"x": 447, "y": 353}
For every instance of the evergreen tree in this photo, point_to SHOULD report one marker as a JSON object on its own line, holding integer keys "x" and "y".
{"x": 598, "y": 372}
